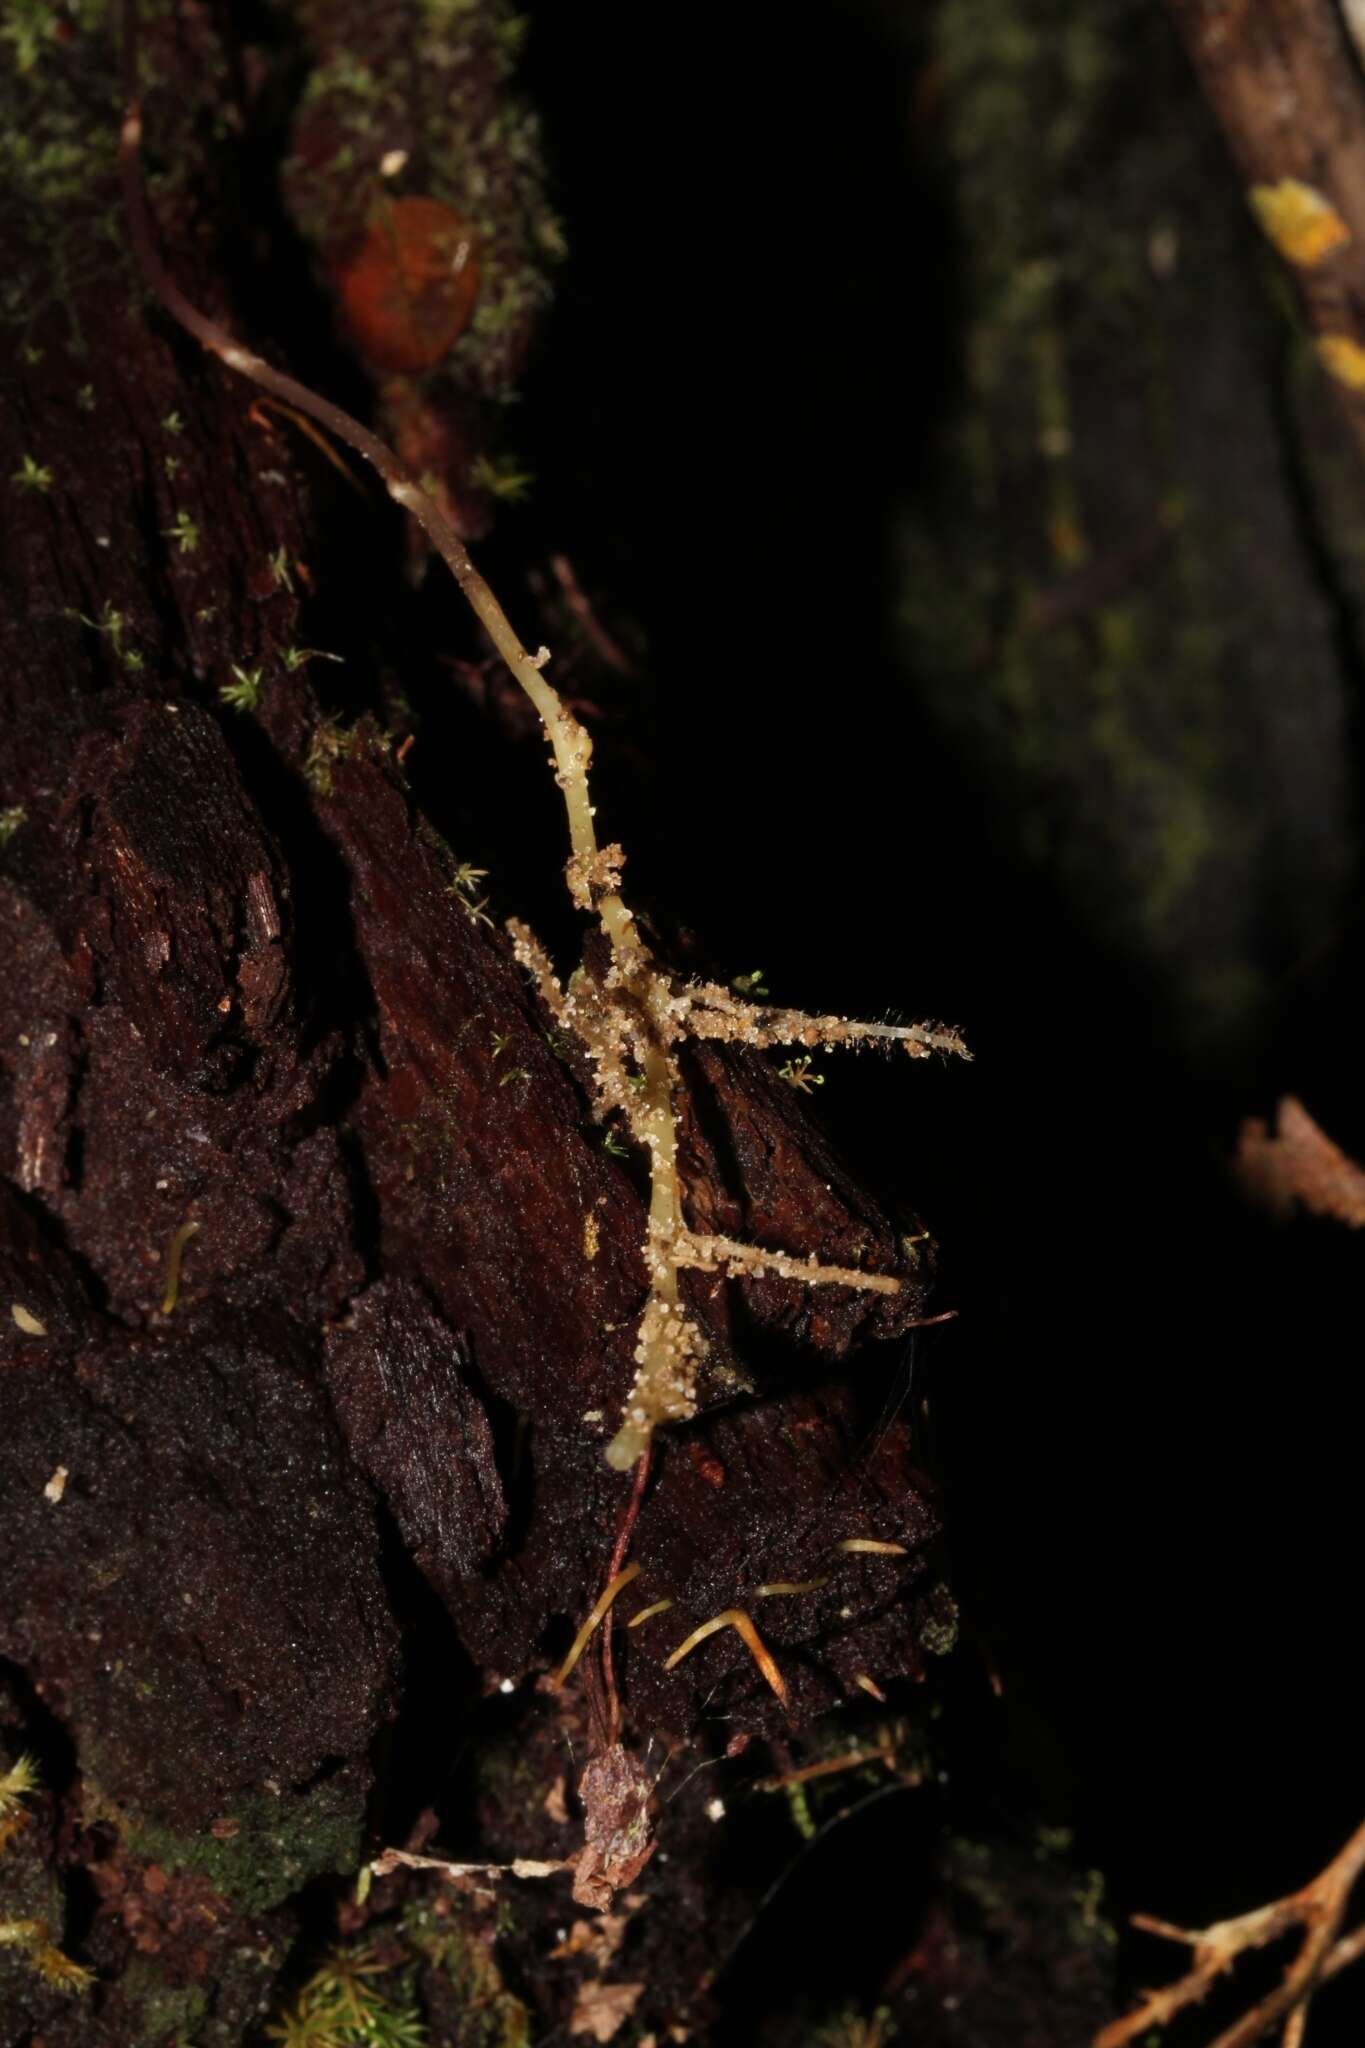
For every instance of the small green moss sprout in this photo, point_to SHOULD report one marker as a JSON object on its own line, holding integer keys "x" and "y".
{"x": 243, "y": 693}
{"x": 32, "y": 1937}
{"x": 466, "y": 879}
{"x": 330, "y": 743}
{"x": 32, "y": 475}
{"x": 15, "y": 1785}
{"x": 800, "y": 1075}
{"x": 296, "y": 658}
{"x": 343, "y": 2006}
{"x": 501, "y": 479}
{"x": 184, "y": 531}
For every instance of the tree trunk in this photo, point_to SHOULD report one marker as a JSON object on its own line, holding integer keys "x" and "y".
{"x": 319, "y": 1283}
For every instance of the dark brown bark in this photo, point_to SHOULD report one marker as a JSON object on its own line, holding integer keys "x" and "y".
{"x": 240, "y": 992}
{"x": 1284, "y": 84}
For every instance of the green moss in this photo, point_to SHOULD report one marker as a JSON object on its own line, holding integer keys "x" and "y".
{"x": 165, "y": 2015}
{"x": 938, "y": 1631}
{"x": 1075, "y": 606}
{"x": 466, "y": 141}
{"x": 354, "y": 1999}
{"x": 798, "y": 1805}
{"x": 61, "y": 209}
{"x": 329, "y": 743}
{"x": 470, "y": 1992}
{"x": 278, "y": 1844}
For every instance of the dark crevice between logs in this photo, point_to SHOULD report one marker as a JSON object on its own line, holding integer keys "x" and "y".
{"x": 33, "y": 1727}
{"x": 415, "y": 1755}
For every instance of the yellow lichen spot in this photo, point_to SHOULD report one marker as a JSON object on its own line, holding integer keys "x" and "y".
{"x": 59, "y": 1971}
{"x": 1343, "y": 359}
{"x": 647, "y": 1613}
{"x": 1303, "y": 225}
{"x": 173, "y": 1263}
{"x": 15, "y": 1784}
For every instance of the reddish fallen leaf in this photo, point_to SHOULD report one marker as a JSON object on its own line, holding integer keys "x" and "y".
{"x": 555, "y": 1802}
{"x": 615, "y": 1790}
{"x": 597, "y": 1939}
{"x": 409, "y": 291}
{"x": 1300, "y": 1165}
{"x": 600, "y": 2009}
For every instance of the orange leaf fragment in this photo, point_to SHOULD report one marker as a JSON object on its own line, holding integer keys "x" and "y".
{"x": 601, "y": 2009}
{"x": 1299, "y": 1164}
{"x": 409, "y": 291}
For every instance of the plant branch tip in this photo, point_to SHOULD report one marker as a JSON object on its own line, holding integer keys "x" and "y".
{"x": 390, "y": 1860}
{"x": 740, "y": 1622}
{"x": 630, "y": 1017}
{"x": 174, "y": 1261}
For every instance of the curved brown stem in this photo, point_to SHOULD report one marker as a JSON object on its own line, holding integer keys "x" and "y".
{"x": 618, "y": 1558}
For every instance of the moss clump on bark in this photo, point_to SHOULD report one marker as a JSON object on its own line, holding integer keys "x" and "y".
{"x": 1106, "y": 591}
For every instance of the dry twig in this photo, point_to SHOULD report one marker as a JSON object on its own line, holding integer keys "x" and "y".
{"x": 390, "y": 1860}
{"x": 1317, "y": 1910}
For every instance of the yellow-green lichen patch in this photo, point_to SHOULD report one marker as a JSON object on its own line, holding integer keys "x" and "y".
{"x": 938, "y": 1630}
{"x": 1300, "y": 222}
{"x": 1343, "y": 358}
{"x": 260, "y": 1852}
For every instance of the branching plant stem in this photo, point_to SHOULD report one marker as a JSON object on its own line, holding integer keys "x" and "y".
{"x": 1317, "y": 1911}
{"x": 630, "y": 1018}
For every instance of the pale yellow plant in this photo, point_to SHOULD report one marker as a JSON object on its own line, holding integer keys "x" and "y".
{"x": 632, "y": 1016}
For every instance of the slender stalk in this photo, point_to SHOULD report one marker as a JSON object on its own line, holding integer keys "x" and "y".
{"x": 630, "y": 1019}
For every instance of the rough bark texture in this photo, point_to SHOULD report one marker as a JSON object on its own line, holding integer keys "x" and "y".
{"x": 336, "y": 1456}
{"x": 300, "y": 1507}
{"x": 1283, "y": 82}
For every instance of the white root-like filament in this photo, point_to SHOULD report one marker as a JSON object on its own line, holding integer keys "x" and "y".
{"x": 648, "y": 1613}
{"x": 710, "y": 1253}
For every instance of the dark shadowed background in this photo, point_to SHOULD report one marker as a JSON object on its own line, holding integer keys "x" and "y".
{"x": 921, "y": 387}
